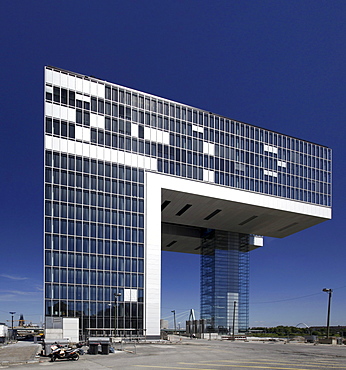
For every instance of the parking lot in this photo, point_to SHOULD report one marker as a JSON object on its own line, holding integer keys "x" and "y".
{"x": 208, "y": 355}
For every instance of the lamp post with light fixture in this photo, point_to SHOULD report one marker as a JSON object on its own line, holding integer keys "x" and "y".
{"x": 115, "y": 312}
{"x": 329, "y": 291}
{"x": 12, "y": 334}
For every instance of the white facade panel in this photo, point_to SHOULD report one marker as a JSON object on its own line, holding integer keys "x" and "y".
{"x": 48, "y": 109}
{"x": 86, "y": 86}
{"x": 79, "y": 133}
{"x": 93, "y": 120}
{"x": 146, "y": 133}
{"x": 134, "y": 129}
{"x": 93, "y": 88}
{"x": 71, "y": 82}
{"x": 79, "y": 84}
{"x": 64, "y": 80}
{"x": 71, "y": 114}
{"x": 48, "y": 76}
{"x": 101, "y": 122}
{"x": 101, "y": 91}
{"x": 56, "y": 78}
{"x": 79, "y": 148}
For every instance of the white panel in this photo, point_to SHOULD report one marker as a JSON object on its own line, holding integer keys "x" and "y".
{"x": 146, "y": 133}
{"x": 79, "y": 84}
{"x": 93, "y": 119}
{"x": 80, "y": 96}
{"x": 49, "y": 89}
{"x": 86, "y": 150}
{"x": 93, "y": 88}
{"x": 56, "y": 111}
{"x": 134, "y": 129}
{"x": 159, "y": 136}
{"x": 134, "y": 295}
{"x": 56, "y": 144}
{"x": 128, "y": 159}
{"x": 211, "y": 149}
{"x": 86, "y": 86}
{"x": 93, "y": 151}
{"x": 114, "y": 156}
{"x": 107, "y": 154}
{"x": 205, "y": 147}
{"x": 49, "y": 76}
{"x": 165, "y": 138}
{"x": 121, "y": 157}
{"x": 48, "y": 109}
{"x": 153, "y": 136}
{"x": 140, "y": 159}
{"x": 79, "y": 133}
{"x": 48, "y": 142}
{"x": 71, "y": 82}
{"x": 64, "y": 113}
{"x": 101, "y": 122}
{"x": 101, "y": 90}
{"x": 134, "y": 160}
{"x": 56, "y": 78}
{"x": 153, "y": 164}
{"x": 71, "y": 114}
{"x": 71, "y": 146}
{"x": 78, "y": 148}
{"x": 63, "y": 146}
{"x": 147, "y": 163}
{"x": 127, "y": 295}
{"x": 63, "y": 80}
{"x": 211, "y": 176}
{"x": 100, "y": 153}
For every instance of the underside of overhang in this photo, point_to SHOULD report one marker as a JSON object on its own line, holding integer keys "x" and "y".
{"x": 202, "y": 212}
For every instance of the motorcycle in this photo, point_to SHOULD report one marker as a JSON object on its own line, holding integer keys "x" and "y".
{"x": 59, "y": 352}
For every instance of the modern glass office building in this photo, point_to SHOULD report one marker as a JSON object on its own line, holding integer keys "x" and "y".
{"x": 128, "y": 174}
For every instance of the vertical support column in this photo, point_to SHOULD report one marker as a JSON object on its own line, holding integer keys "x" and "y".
{"x": 152, "y": 257}
{"x": 224, "y": 281}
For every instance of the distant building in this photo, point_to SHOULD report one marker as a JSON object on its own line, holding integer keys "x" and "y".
{"x": 128, "y": 174}
{"x": 163, "y": 324}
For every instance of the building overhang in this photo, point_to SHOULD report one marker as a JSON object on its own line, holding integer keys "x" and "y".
{"x": 211, "y": 206}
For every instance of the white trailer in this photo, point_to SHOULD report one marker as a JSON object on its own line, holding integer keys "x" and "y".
{"x": 3, "y": 333}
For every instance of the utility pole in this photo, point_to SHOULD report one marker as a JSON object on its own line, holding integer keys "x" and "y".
{"x": 175, "y": 325}
{"x": 115, "y": 312}
{"x": 233, "y": 324}
{"x": 12, "y": 313}
{"x": 329, "y": 291}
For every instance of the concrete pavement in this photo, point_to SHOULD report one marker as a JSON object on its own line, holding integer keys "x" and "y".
{"x": 199, "y": 354}
{"x": 19, "y": 353}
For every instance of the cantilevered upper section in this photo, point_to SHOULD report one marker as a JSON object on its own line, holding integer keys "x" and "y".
{"x": 244, "y": 178}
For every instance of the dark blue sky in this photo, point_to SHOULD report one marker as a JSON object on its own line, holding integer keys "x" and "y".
{"x": 276, "y": 64}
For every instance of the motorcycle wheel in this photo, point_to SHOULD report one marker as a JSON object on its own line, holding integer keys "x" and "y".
{"x": 53, "y": 358}
{"x": 75, "y": 357}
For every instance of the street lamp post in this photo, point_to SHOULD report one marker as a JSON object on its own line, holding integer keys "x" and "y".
{"x": 233, "y": 323}
{"x": 175, "y": 325}
{"x": 115, "y": 312}
{"x": 110, "y": 318}
{"x": 12, "y": 313}
{"x": 329, "y": 291}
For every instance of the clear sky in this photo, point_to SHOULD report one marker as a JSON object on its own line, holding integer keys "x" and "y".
{"x": 276, "y": 64}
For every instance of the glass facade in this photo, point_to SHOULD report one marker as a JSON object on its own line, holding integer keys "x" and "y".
{"x": 100, "y": 138}
{"x": 225, "y": 281}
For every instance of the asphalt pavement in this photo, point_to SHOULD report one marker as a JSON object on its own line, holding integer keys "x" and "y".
{"x": 197, "y": 354}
